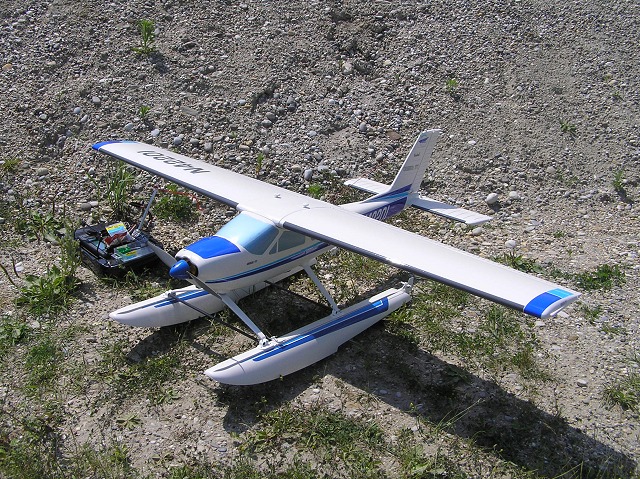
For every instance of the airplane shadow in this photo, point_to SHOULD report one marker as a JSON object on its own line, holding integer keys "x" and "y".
{"x": 445, "y": 396}
{"x": 389, "y": 369}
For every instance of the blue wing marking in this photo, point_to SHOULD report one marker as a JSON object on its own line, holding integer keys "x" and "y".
{"x": 541, "y": 303}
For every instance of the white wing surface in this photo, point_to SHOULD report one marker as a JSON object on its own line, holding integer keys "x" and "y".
{"x": 349, "y": 230}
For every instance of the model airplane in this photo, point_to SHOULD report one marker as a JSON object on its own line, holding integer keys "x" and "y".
{"x": 280, "y": 232}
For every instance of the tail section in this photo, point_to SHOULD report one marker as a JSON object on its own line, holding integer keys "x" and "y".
{"x": 410, "y": 176}
{"x": 404, "y": 191}
{"x": 415, "y": 165}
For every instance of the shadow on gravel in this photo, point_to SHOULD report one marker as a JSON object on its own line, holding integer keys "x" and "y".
{"x": 448, "y": 398}
{"x": 444, "y": 396}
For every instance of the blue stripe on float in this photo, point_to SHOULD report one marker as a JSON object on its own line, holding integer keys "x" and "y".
{"x": 362, "y": 314}
{"x": 540, "y": 303}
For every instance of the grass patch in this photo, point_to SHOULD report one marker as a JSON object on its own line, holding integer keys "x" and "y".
{"x": 176, "y": 205}
{"x": 315, "y": 190}
{"x": 568, "y": 127}
{"x": 142, "y": 285}
{"x": 48, "y": 294}
{"x": 603, "y": 277}
{"x": 9, "y": 166}
{"x": 13, "y": 331}
{"x": 626, "y": 392}
{"x": 116, "y": 188}
{"x": 42, "y": 365}
{"x": 148, "y": 377}
{"x": 497, "y": 341}
{"x": 519, "y": 262}
{"x": 342, "y": 444}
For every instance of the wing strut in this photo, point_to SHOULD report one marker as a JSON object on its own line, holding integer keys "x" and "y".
{"x": 323, "y": 290}
{"x": 173, "y": 295}
{"x": 230, "y": 303}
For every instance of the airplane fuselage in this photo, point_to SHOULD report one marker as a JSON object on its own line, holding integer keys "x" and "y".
{"x": 250, "y": 248}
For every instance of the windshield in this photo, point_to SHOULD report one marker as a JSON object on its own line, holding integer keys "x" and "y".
{"x": 251, "y": 233}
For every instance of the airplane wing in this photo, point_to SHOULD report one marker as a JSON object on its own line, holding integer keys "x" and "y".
{"x": 349, "y": 230}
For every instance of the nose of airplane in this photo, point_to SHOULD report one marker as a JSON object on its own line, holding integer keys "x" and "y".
{"x": 180, "y": 270}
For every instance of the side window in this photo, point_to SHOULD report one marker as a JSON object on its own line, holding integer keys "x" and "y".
{"x": 288, "y": 240}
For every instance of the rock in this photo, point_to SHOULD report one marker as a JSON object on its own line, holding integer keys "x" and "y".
{"x": 583, "y": 383}
{"x": 491, "y": 199}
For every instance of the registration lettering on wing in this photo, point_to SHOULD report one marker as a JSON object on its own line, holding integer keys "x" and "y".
{"x": 176, "y": 162}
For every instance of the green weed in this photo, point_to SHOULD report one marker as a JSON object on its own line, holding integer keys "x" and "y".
{"x": 591, "y": 314}
{"x": 626, "y": 392}
{"x": 128, "y": 421}
{"x": 315, "y": 190}
{"x": 451, "y": 87}
{"x": 13, "y": 331}
{"x": 519, "y": 262}
{"x": 568, "y": 127}
{"x": 9, "y": 166}
{"x": 147, "y": 37}
{"x": 143, "y": 112}
{"x": 109, "y": 462}
{"x": 38, "y": 226}
{"x": 29, "y": 449}
{"x": 147, "y": 377}
{"x": 48, "y": 294}
{"x": 176, "y": 205}
{"x": 259, "y": 163}
{"x": 116, "y": 189}
{"x": 499, "y": 341}
{"x": 604, "y": 277}
{"x": 141, "y": 285}
{"x": 619, "y": 182}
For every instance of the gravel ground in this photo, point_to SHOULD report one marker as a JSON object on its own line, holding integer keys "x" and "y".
{"x": 539, "y": 103}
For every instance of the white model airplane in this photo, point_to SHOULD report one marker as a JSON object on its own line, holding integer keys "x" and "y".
{"x": 279, "y": 232}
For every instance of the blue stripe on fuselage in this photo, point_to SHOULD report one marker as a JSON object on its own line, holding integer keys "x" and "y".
{"x": 293, "y": 257}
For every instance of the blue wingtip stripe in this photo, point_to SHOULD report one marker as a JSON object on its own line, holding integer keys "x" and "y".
{"x": 540, "y": 303}
{"x": 99, "y": 145}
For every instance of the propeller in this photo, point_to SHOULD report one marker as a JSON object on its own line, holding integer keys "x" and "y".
{"x": 165, "y": 257}
{"x": 179, "y": 269}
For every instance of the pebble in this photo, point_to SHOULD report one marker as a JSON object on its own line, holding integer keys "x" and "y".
{"x": 510, "y": 244}
{"x": 491, "y": 199}
{"x": 155, "y": 132}
{"x": 128, "y": 127}
{"x": 308, "y": 174}
{"x": 583, "y": 383}
{"x": 177, "y": 141}
{"x": 514, "y": 195}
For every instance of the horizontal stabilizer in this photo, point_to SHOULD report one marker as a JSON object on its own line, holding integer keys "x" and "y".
{"x": 368, "y": 186}
{"x": 451, "y": 212}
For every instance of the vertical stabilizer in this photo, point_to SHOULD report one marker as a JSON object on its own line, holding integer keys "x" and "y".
{"x": 414, "y": 167}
